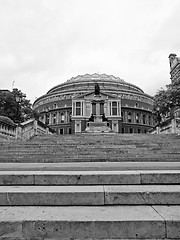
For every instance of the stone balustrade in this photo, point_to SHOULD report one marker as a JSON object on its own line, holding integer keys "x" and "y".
{"x": 167, "y": 127}
{"x": 7, "y": 129}
{"x": 23, "y": 131}
{"x": 31, "y": 128}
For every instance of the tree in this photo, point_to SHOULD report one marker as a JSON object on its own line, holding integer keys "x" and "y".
{"x": 165, "y": 100}
{"x": 7, "y": 104}
{"x": 18, "y": 111}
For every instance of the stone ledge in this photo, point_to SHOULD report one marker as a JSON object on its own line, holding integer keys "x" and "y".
{"x": 89, "y": 177}
{"x": 68, "y": 177}
{"x": 142, "y": 195}
{"x": 91, "y": 166}
{"x": 89, "y": 195}
{"x": 124, "y": 222}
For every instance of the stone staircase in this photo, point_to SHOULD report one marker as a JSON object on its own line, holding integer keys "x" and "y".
{"x": 136, "y": 198}
{"x": 93, "y": 148}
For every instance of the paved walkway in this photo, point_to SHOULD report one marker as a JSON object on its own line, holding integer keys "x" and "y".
{"x": 88, "y": 166}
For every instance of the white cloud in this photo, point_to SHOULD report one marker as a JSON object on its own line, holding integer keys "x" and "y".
{"x": 45, "y": 42}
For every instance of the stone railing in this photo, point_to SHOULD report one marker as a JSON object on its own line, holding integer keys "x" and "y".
{"x": 23, "y": 131}
{"x": 167, "y": 127}
{"x": 31, "y": 128}
{"x": 7, "y": 130}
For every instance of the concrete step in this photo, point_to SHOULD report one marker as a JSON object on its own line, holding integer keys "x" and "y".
{"x": 90, "y": 166}
{"x": 65, "y": 223}
{"x": 90, "y": 177}
{"x": 89, "y": 195}
{"x": 93, "y": 147}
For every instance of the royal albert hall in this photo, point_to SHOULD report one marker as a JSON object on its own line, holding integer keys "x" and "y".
{"x": 96, "y": 103}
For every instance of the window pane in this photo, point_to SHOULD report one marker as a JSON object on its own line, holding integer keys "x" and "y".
{"x": 129, "y": 117}
{"x": 114, "y": 111}
{"x": 78, "y": 108}
{"x": 78, "y": 111}
{"x": 114, "y": 108}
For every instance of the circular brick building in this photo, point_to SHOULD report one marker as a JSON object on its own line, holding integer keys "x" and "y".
{"x": 96, "y": 103}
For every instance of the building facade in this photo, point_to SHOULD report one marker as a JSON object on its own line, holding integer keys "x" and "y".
{"x": 96, "y": 101}
{"x": 174, "y": 62}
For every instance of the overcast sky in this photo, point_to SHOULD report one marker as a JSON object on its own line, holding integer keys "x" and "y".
{"x": 45, "y": 42}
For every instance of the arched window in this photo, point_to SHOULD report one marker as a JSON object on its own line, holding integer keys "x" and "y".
{"x": 137, "y": 117}
{"x": 144, "y": 119}
{"x": 131, "y": 130}
{"x": 129, "y": 117}
{"x": 149, "y": 120}
{"x": 55, "y": 105}
{"x": 54, "y": 118}
{"x": 62, "y": 117}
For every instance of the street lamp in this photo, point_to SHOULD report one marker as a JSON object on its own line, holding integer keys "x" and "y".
{"x": 158, "y": 119}
{"x": 18, "y": 98}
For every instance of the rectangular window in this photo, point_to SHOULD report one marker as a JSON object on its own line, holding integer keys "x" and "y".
{"x": 129, "y": 117}
{"x": 131, "y": 130}
{"x": 101, "y": 108}
{"x": 94, "y": 108}
{"x": 61, "y": 131}
{"x": 78, "y": 108}
{"x": 114, "y": 108}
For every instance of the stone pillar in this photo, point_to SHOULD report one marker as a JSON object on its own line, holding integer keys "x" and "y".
{"x": 97, "y": 108}
{"x": 84, "y": 108}
{"x": 50, "y": 118}
{"x": 140, "y": 118}
{"x": 105, "y": 108}
{"x": 35, "y": 127}
{"x": 57, "y": 117}
{"x": 134, "y": 117}
{"x": 157, "y": 129}
{"x": 44, "y": 118}
{"x": 173, "y": 124}
{"x": 119, "y": 108}
{"x": 66, "y": 116}
{"x": 125, "y": 117}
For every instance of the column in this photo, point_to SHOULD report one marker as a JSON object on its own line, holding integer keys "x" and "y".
{"x": 105, "y": 108}
{"x": 125, "y": 117}
{"x": 44, "y": 118}
{"x": 84, "y": 108}
{"x": 66, "y": 116}
{"x": 119, "y": 108}
{"x": 50, "y": 118}
{"x": 98, "y": 108}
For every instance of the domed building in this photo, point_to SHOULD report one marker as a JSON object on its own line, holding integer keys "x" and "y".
{"x": 96, "y": 103}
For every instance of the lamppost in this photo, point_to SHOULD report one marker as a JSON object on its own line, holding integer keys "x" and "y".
{"x": 18, "y": 98}
{"x": 158, "y": 119}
